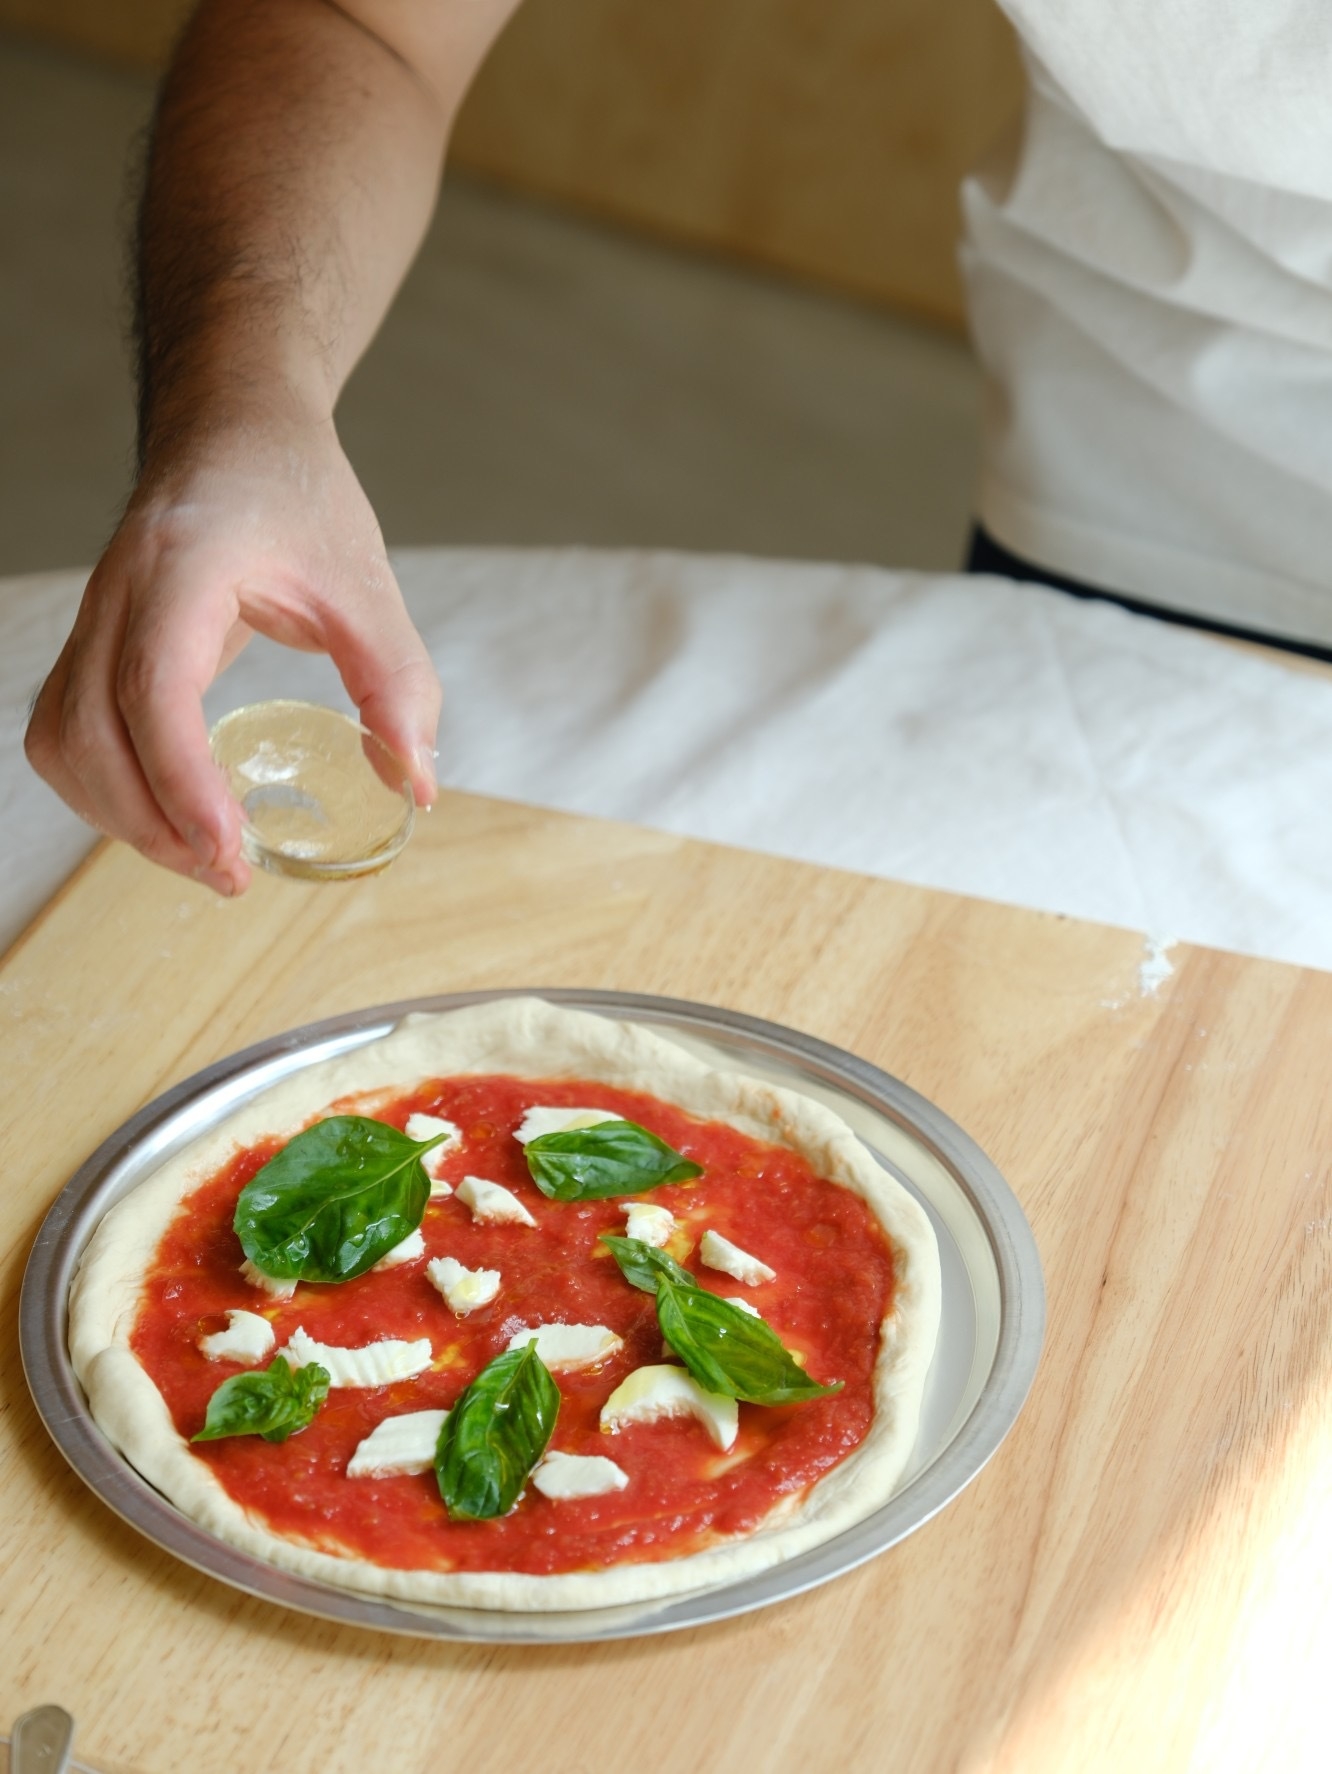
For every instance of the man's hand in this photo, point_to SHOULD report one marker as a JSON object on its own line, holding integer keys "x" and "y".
{"x": 265, "y": 529}
{"x": 296, "y": 153}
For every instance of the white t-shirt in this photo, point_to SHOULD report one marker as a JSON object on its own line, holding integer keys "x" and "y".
{"x": 1150, "y": 277}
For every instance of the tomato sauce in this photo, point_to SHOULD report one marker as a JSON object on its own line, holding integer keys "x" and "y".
{"x": 833, "y": 1287}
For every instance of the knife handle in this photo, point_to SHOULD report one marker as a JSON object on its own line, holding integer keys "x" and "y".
{"x": 42, "y": 1741}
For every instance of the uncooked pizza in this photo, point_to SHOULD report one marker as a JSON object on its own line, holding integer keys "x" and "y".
{"x": 518, "y": 1307}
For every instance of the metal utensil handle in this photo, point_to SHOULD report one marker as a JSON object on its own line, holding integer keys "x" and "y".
{"x": 42, "y": 1741}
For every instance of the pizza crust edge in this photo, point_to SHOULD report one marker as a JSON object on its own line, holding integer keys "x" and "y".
{"x": 522, "y": 1037}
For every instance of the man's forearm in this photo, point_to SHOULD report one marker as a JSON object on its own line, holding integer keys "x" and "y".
{"x": 294, "y": 164}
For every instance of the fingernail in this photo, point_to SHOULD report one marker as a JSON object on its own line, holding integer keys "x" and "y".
{"x": 219, "y": 882}
{"x": 425, "y": 769}
{"x": 203, "y": 844}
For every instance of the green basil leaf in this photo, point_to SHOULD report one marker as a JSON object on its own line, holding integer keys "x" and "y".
{"x": 334, "y": 1200}
{"x": 495, "y": 1434}
{"x": 729, "y": 1352}
{"x": 275, "y": 1403}
{"x": 610, "y": 1158}
{"x": 644, "y": 1264}
{"x": 725, "y": 1349}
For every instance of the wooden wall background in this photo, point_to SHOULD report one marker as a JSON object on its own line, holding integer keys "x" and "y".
{"x": 824, "y": 138}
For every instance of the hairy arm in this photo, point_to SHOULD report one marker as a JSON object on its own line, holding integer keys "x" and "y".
{"x": 294, "y": 164}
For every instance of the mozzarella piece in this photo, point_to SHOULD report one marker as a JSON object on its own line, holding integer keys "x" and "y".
{"x": 651, "y": 1393}
{"x": 373, "y": 1364}
{"x": 648, "y": 1223}
{"x": 280, "y": 1290}
{"x": 564, "y": 1477}
{"x": 744, "y": 1306}
{"x": 463, "y": 1289}
{"x": 407, "y": 1251}
{"x": 425, "y": 1127}
{"x": 567, "y": 1347}
{"x": 247, "y": 1338}
{"x": 399, "y": 1446}
{"x": 719, "y": 1253}
{"x": 492, "y": 1202}
{"x": 539, "y": 1121}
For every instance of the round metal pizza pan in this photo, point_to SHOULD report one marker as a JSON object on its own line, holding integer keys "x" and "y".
{"x": 990, "y": 1337}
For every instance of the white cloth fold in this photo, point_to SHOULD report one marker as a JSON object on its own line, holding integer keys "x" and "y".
{"x": 970, "y": 734}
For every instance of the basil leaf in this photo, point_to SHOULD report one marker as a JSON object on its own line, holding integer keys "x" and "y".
{"x": 644, "y": 1264}
{"x": 729, "y": 1352}
{"x": 495, "y": 1434}
{"x": 334, "y": 1200}
{"x": 725, "y": 1349}
{"x": 275, "y": 1403}
{"x": 610, "y": 1158}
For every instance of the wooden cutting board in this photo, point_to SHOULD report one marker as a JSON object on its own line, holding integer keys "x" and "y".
{"x": 1139, "y": 1580}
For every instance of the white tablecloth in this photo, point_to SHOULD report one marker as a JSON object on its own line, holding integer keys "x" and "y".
{"x": 970, "y": 734}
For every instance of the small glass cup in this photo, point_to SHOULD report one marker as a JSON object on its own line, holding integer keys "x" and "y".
{"x": 324, "y": 800}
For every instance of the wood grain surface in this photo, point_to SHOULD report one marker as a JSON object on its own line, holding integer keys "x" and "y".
{"x": 1140, "y": 1579}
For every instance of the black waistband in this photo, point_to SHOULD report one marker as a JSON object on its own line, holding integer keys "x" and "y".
{"x": 985, "y": 555}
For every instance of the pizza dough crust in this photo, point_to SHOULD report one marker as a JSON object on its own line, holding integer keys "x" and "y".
{"x": 523, "y": 1037}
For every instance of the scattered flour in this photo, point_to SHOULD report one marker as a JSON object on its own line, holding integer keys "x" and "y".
{"x": 1154, "y": 969}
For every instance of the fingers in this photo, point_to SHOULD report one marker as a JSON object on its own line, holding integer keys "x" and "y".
{"x": 390, "y": 677}
{"x": 79, "y": 742}
{"x": 174, "y": 645}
